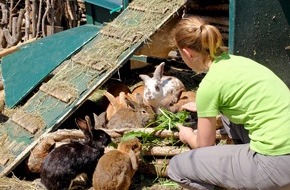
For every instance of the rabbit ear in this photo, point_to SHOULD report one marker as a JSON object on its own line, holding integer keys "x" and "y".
{"x": 144, "y": 78}
{"x": 158, "y": 73}
{"x": 122, "y": 98}
{"x": 97, "y": 121}
{"x": 110, "y": 97}
{"x": 85, "y": 126}
{"x": 130, "y": 103}
{"x": 89, "y": 124}
{"x": 133, "y": 159}
{"x": 116, "y": 102}
{"x": 139, "y": 98}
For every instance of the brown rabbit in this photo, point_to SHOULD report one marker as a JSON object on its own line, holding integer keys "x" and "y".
{"x": 185, "y": 97}
{"x": 136, "y": 115}
{"x": 139, "y": 89}
{"x": 116, "y": 88}
{"x": 116, "y": 168}
{"x": 115, "y": 104}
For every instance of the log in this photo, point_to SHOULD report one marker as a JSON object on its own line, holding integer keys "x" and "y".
{"x": 49, "y": 141}
{"x": 38, "y": 154}
{"x": 165, "y": 151}
{"x": 162, "y": 151}
{"x": 62, "y": 134}
{"x": 164, "y": 133}
{"x": 46, "y": 144}
{"x": 7, "y": 51}
{"x": 12, "y": 49}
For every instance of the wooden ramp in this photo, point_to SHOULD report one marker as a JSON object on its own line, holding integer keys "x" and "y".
{"x": 23, "y": 70}
{"x": 78, "y": 76}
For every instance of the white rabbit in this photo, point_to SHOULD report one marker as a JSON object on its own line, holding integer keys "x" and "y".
{"x": 159, "y": 87}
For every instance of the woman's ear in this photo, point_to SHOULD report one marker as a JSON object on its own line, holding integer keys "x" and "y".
{"x": 186, "y": 52}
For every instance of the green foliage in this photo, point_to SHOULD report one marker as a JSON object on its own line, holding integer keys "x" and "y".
{"x": 168, "y": 120}
{"x": 164, "y": 121}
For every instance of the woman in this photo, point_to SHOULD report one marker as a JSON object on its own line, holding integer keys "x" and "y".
{"x": 256, "y": 106}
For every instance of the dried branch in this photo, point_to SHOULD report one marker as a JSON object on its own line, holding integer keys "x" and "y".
{"x": 33, "y": 17}
{"x": 39, "y": 19}
{"x": 16, "y": 30}
{"x": 27, "y": 20}
{"x": 4, "y": 15}
{"x": 44, "y": 32}
{"x": 52, "y": 16}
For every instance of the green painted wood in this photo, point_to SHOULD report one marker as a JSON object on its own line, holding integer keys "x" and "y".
{"x": 99, "y": 14}
{"x": 260, "y": 30}
{"x": 107, "y": 4}
{"x": 23, "y": 70}
{"x": 232, "y": 13}
{"x": 84, "y": 79}
{"x": 89, "y": 13}
{"x": 52, "y": 110}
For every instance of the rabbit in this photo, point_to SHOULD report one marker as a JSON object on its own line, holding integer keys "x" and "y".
{"x": 67, "y": 161}
{"x": 136, "y": 115}
{"x": 114, "y": 96}
{"x": 185, "y": 97}
{"x": 116, "y": 88}
{"x": 116, "y": 103}
{"x": 139, "y": 89}
{"x": 117, "y": 167}
{"x": 159, "y": 87}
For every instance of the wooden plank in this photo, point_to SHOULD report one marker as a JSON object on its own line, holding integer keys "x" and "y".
{"x": 23, "y": 70}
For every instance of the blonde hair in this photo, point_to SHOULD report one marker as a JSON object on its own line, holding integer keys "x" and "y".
{"x": 196, "y": 34}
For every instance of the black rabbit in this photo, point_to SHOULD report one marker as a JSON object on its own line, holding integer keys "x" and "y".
{"x": 67, "y": 161}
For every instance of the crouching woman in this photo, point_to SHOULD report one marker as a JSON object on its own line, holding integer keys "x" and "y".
{"x": 255, "y": 104}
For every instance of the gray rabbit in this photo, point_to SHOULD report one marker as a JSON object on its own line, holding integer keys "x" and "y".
{"x": 136, "y": 115}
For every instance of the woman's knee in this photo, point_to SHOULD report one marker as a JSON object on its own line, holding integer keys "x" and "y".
{"x": 172, "y": 171}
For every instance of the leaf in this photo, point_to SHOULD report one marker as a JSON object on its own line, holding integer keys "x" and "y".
{"x": 168, "y": 120}
{"x": 132, "y": 134}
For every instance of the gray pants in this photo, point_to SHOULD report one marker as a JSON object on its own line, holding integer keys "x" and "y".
{"x": 230, "y": 166}
{"x": 236, "y": 132}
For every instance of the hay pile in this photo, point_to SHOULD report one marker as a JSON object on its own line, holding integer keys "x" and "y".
{"x": 13, "y": 183}
{"x": 141, "y": 20}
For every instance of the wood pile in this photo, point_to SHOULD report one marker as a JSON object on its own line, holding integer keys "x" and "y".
{"x": 27, "y": 20}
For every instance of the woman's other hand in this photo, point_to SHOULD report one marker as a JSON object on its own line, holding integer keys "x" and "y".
{"x": 190, "y": 106}
{"x": 205, "y": 135}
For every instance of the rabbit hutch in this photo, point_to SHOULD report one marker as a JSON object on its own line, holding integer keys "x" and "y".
{"x": 121, "y": 41}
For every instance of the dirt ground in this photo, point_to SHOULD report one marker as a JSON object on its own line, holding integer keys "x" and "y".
{"x": 140, "y": 182}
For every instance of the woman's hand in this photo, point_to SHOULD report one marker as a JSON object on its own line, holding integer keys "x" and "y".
{"x": 186, "y": 134}
{"x": 190, "y": 106}
{"x": 204, "y": 136}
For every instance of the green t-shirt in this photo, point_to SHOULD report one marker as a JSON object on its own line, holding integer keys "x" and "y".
{"x": 248, "y": 93}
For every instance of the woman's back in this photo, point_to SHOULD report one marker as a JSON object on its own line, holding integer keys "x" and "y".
{"x": 248, "y": 93}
